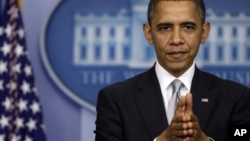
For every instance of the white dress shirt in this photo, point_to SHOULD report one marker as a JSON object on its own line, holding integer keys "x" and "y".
{"x": 165, "y": 79}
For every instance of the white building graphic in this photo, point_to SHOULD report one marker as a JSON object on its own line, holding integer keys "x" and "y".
{"x": 229, "y": 40}
{"x": 107, "y": 40}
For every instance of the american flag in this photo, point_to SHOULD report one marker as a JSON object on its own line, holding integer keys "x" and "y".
{"x": 20, "y": 110}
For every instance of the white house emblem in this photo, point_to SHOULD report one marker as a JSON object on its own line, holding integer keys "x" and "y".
{"x": 85, "y": 47}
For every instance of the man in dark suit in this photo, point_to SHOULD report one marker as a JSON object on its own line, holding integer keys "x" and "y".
{"x": 137, "y": 109}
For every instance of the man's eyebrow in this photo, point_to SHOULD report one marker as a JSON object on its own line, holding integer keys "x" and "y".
{"x": 189, "y": 23}
{"x": 169, "y": 24}
{"x": 164, "y": 24}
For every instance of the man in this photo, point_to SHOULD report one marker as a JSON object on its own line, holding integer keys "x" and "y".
{"x": 138, "y": 109}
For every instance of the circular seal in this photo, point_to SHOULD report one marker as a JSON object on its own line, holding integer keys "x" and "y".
{"x": 89, "y": 44}
{"x": 86, "y": 46}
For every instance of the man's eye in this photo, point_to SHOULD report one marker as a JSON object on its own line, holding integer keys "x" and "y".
{"x": 164, "y": 28}
{"x": 189, "y": 27}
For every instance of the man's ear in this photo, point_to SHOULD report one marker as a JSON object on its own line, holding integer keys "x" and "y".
{"x": 205, "y": 31}
{"x": 147, "y": 33}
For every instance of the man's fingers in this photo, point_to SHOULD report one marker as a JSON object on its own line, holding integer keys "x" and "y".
{"x": 185, "y": 104}
{"x": 189, "y": 104}
{"x": 180, "y": 106}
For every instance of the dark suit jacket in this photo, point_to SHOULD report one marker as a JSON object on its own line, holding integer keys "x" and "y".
{"x": 133, "y": 110}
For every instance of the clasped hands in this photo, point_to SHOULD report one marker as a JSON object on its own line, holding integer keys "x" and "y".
{"x": 184, "y": 125}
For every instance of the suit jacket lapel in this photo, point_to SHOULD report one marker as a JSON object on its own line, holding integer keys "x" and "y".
{"x": 204, "y": 94}
{"x": 150, "y": 103}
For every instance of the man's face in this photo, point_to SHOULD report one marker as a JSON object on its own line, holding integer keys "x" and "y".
{"x": 176, "y": 32}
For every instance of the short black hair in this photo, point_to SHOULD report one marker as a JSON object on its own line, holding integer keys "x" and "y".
{"x": 199, "y": 3}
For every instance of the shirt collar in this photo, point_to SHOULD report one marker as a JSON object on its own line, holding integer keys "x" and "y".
{"x": 165, "y": 78}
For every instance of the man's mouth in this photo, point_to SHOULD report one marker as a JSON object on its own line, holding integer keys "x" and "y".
{"x": 177, "y": 54}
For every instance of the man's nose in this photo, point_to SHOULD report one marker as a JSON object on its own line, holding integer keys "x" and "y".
{"x": 176, "y": 37}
